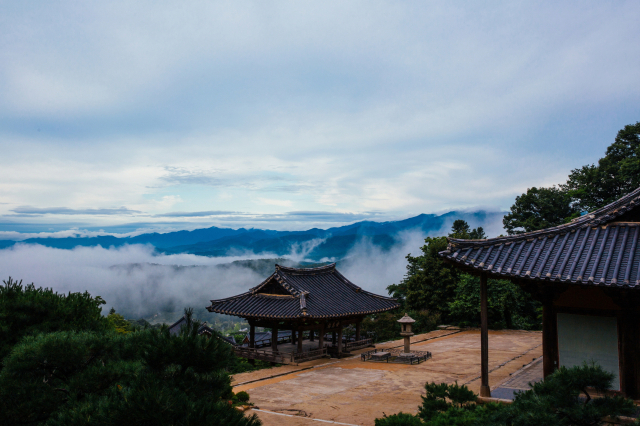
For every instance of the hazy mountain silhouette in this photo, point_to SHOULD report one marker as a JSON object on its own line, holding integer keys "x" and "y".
{"x": 314, "y": 244}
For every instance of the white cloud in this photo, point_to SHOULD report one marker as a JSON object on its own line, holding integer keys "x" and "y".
{"x": 355, "y": 106}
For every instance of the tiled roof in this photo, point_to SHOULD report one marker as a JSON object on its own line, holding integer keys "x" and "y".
{"x": 600, "y": 248}
{"x": 291, "y": 293}
{"x": 175, "y": 328}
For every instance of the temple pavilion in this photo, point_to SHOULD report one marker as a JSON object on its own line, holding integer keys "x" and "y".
{"x": 586, "y": 274}
{"x": 313, "y": 300}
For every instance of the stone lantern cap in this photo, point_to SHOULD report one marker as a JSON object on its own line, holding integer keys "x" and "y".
{"x": 406, "y": 319}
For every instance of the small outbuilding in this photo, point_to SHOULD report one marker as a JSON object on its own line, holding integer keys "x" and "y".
{"x": 586, "y": 273}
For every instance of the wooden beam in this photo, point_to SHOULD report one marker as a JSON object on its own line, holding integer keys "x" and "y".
{"x": 252, "y": 336}
{"x": 339, "y": 342}
{"x": 358, "y": 324}
{"x": 628, "y": 335}
{"x": 300, "y": 335}
{"x": 274, "y": 338}
{"x": 549, "y": 336}
{"x": 321, "y": 337}
{"x": 485, "y": 390}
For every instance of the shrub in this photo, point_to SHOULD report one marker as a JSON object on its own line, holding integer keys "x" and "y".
{"x": 558, "y": 399}
{"x": 400, "y": 419}
{"x": 242, "y": 396}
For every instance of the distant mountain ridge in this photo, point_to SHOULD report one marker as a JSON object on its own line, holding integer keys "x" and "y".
{"x": 314, "y": 244}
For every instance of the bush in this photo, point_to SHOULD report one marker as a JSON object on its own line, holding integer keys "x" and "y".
{"x": 558, "y": 400}
{"x": 242, "y": 396}
{"x": 400, "y": 419}
{"x": 563, "y": 398}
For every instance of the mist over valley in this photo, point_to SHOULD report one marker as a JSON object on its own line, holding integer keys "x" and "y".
{"x": 158, "y": 275}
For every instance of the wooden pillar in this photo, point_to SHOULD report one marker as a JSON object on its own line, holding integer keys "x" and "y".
{"x": 321, "y": 337}
{"x": 274, "y": 338}
{"x": 628, "y": 336}
{"x": 358, "y": 324}
{"x": 339, "y": 340}
{"x": 252, "y": 336}
{"x": 485, "y": 390}
{"x": 333, "y": 338}
{"x": 549, "y": 336}
{"x": 311, "y": 335}
{"x": 300, "y": 332}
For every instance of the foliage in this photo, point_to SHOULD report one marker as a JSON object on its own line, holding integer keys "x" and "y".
{"x": 557, "y": 400}
{"x": 429, "y": 284}
{"x": 441, "y": 397}
{"x": 617, "y": 173}
{"x": 148, "y": 377}
{"x": 242, "y": 396}
{"x": 118, "y": 322}
{"x": 564, "y": 398}
{"x": 461, "y": 229}
{"x": 400, "y": 419}
{"x": 384, "y": 326}
{"x": 539, "y": 208}
{"x": 451, "y": 296}
{"x": 508, "y": 305}
{"x": 242, "y": 365}
{"x": 27, "y": 311}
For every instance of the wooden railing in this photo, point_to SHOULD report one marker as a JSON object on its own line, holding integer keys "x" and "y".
{"x": 358, "y": 344}
{"x": 279, "y": 357}
{"x": 298, "y": 357}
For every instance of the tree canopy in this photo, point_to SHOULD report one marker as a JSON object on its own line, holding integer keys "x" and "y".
{"x": 445, "y": 292}
{"x": 66, "y": 364}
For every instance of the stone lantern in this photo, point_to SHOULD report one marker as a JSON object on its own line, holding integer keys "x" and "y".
{"x": 406, "y": 332}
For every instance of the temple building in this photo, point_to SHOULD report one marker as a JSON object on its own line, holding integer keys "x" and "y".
{"x": 586, "y": 274}
{"x": 317, "y": 300}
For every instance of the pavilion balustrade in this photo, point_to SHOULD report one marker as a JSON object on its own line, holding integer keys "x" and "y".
{"x": 357, "y": 344}
{"x": 279, "y": 357}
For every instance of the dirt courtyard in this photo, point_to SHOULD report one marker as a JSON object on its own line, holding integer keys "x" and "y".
{"x": 352, "y": 392}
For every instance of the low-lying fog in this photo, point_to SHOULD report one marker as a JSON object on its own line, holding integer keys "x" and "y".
{"x": 138, "y": 282}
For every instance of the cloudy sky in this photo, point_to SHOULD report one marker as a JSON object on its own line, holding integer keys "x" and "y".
{"x": 289, "y": 115}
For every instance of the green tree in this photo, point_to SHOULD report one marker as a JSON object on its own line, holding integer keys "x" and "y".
{"x": 119, "y": 324}
{"x": 27, "y": 311}
{"x": 539, "y": 208}
{"x": 145, "y": 378}
{"x": 436, "y": 287}
{"x": 429, "y": 284}
{"x": 508, "y": 305}
{"x": 617, "y": 173}
{"x": 461, "y": 229}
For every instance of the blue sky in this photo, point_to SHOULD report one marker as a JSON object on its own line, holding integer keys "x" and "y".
{"x": 289, "y": 115}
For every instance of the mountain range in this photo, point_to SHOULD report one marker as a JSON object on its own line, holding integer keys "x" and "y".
{"x": 314, "y": 244}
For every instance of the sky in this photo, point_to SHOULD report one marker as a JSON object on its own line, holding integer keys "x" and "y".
{"x": 121, "y": 116}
